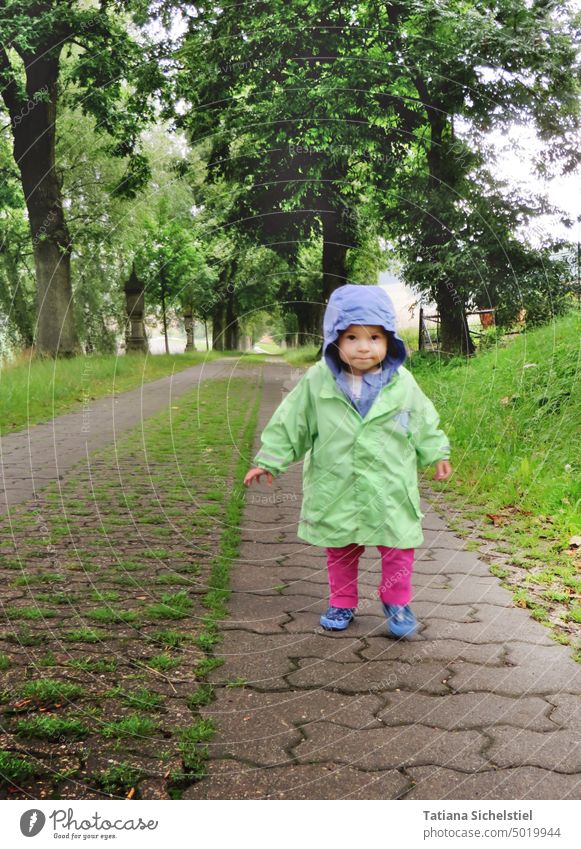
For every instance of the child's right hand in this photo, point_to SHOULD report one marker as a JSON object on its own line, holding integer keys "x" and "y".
{"x": 255, "y": 474}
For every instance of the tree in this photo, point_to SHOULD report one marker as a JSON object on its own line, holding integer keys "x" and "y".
{"x": 112, "y": 77}
{"x": 350, "y": 106}
{"x": 489, "y": 64}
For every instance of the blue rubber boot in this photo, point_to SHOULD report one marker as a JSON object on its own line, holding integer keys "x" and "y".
{"x": 401, "y": 622}
{"x": 337, "y": 618}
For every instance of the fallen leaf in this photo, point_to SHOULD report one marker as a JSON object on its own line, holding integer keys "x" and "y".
{"x": 496, "y": 519}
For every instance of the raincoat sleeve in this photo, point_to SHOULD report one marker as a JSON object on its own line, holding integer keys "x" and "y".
{"x": 289, "y": 434}
{"x": 430, "y": 442}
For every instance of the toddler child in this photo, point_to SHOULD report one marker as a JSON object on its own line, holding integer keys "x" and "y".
{"x": 363, "y": 426}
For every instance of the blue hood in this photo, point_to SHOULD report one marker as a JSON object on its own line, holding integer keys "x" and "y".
{"x": 355, "y": 304}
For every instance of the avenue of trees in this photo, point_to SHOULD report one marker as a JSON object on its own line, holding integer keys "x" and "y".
{"x": 243, "y": 160}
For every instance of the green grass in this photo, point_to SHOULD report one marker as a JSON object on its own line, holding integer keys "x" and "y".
{"x": 32, "y": 613}
{"x": 171, "y": 606}
{"x": 170, "y": 637}
{"x": 204, "y": 695}
{"x": 48, "y": 691}
{"x": 163, "y": 662}
{"x": 129, "y": 726}
{"x": 26, "y": 637}
{"x": 194, "y": 755}
{"x": 84, "y": 635}
{"x": 118, "y": 779}
{"x": 107, "y": 614}
{"x": 51, "y": 728}
{"x": 142, "y": 699}
{"x": 15, "y": 769}
{"x": 37, "y": 390}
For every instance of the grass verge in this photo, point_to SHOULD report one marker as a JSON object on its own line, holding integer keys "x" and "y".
{"x": 34, "y": 390}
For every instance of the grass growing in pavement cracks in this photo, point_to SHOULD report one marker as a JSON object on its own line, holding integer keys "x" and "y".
{"x": 15, "y": 769}
{"x": 195, "y": 756}
{"x": 105, "y": 622}
{"x": 38, "y": 389}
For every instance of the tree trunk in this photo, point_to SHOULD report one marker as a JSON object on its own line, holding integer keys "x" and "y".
{"x": 18, "y": 309}
{"x": 218, "y": 327}
{"x": 232, "y": 332}
{"x": 163, "y": 309}
{"x": 34, "y": 123}
{"x": 206, "y": 332}
{"x": 334, "y": 254}
{"x": 454, "y": 334}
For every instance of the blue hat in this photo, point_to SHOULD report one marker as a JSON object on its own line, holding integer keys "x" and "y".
{"x": 356, "y": 304}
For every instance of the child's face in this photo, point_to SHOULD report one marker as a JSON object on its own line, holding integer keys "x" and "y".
{"x": 362, "y": 347}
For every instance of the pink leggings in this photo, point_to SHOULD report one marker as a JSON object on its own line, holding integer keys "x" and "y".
{"x": 396, "y": 574}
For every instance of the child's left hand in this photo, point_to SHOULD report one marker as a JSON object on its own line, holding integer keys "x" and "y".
{"x": 443, "y": 470}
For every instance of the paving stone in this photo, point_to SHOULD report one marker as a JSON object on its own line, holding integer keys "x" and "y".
{"x": 467, "y": 711}
{"x": 233, "y": 707}
{"x": 255, "y": 613}
{"x": 492, "y": 625}
{"x": 449, "y": 651}
{"x": 392, "y": 748}
{"x": 514, "y": 680}
{"x": 443, "y": 539}
{"x": 232, "y": 780}
{"x": 434, "y": 782}
{"x": 471, "y": 590}
{"x": 258, "y": 552}
{"x": 371, "y": 677}
{"x": 567, "y": 711}
{"x": 556, "y": 750}
{"x": 563, "y": 666}
{"x": 257, "y": 579}
{"x": 263, "y": 662}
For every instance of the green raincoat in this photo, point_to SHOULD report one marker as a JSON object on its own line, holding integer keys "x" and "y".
{"x": 359, "y": 474}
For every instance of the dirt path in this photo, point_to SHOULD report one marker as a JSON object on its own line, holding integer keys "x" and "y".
{"x": 480, "y": 704}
